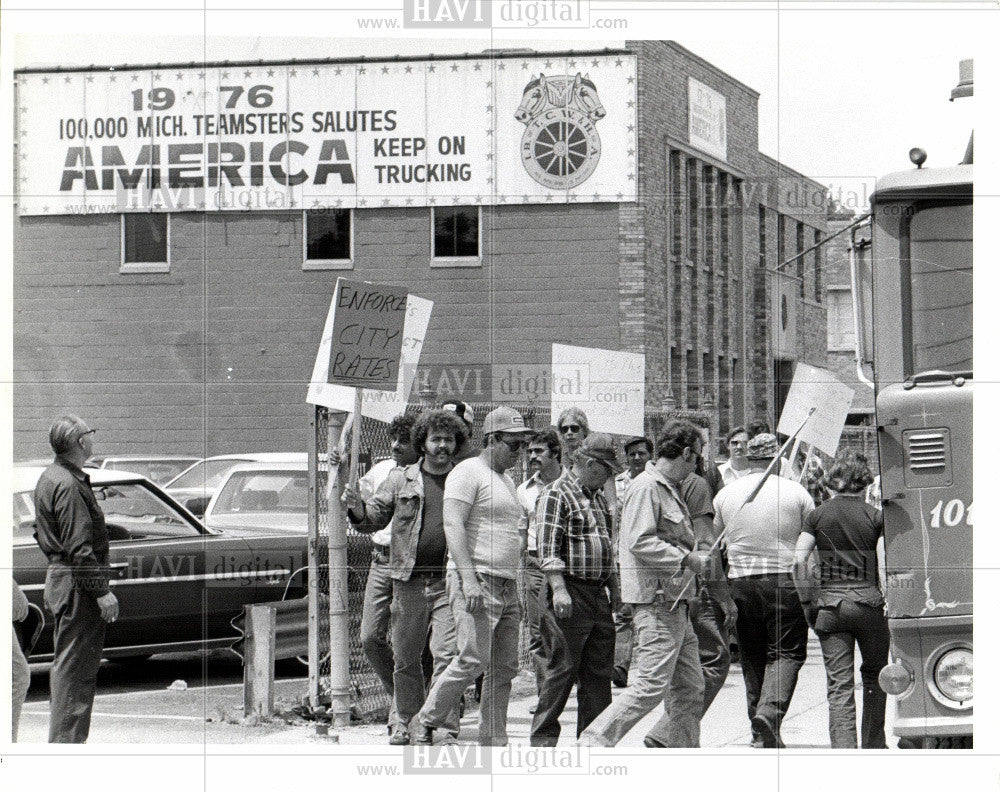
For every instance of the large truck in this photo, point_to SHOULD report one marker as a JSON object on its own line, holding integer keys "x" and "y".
{"x": 913, "y": 315}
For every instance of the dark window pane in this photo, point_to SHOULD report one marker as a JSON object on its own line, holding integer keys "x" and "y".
{"x": 145, "y": 238}
{"x": 328, "y": 234}
{"x": 456, "y": 232}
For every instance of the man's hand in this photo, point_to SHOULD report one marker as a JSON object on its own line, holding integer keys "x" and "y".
{"x": 696, "y": 561}
{"x": 562, "y": 605}
{"x": 109, "y": 607}
{"x": 352, "y": 500}
{"x": 473, "y": 594}
{"x": 729, "y": 609}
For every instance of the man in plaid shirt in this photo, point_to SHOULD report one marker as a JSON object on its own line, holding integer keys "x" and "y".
{"x": 574, "y": 524}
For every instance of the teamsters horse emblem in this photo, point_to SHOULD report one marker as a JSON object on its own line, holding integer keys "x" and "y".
{"x": 560, "y": 147}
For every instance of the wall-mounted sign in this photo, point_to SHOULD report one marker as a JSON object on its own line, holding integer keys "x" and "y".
{"x": 706, "y": 119}
{"x": 298, "y": 136}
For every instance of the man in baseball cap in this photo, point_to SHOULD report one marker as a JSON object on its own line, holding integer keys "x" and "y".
{"x": 481, "y": 514}
{"x": 576, "y": 554}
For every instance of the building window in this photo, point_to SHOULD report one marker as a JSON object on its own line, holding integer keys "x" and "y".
{"x": 800, "y": 262}
{"x": 145, "y": 242}
{"x": 762, "y": 236}
{"x": 839, "y": 320}
{"x": 818, "y": 266}
{"x": 456, "y": 236}
{"x": 328, "y": 239}
{"x": 693, "y": 209}
{"x": 676, "y": 206}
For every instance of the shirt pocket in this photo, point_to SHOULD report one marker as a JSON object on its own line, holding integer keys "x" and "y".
{"x": 407, "y": 507}
{"x": 671, "y": 522}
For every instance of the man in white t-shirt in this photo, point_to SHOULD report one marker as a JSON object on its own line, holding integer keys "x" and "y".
{"x": 481, "y": 514}
{"x": 771, "y": 626}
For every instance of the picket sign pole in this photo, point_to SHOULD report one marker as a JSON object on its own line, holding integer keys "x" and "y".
{"x": 355, "y": 437}
{"x": 760, "y": 485}
{"x": 794, "y": 454}
{"x": 805, "y": 465}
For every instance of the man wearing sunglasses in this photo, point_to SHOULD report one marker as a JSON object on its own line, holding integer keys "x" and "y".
{"x": 575, "y": 553}
{"x": 70, "y": 529}
{"x": 481, "y": 514}
{"x": 573, "y": 428}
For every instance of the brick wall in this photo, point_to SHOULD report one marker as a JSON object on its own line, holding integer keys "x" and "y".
{"x": 214, "y": 357}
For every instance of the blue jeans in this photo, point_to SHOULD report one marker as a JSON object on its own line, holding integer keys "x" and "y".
{"x": 487, "y": 643}
{"x": 838, "y": 628}
{"x": 419, "y": 603}
{"x": 665, "y": 668}
{"x": 772, "y": 632}
{"x": 375, "y": 626}
{"x": 534, "y": 588}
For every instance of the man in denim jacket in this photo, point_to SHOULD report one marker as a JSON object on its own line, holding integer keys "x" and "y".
{"x": 412, "y": 498}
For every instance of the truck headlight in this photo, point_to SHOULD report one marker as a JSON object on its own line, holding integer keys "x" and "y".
{"x": 953, "y": 675}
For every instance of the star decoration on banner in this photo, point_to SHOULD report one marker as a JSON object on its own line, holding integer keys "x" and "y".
{"x": 66, "y": 79}
{"x": 224, "y": 75}
{"x": 548, "y": 64}
{"x": 455, "y": 199}
{"x": 527, "y": 198}
{"x": 489, "y": 108}
{"x": 112, "y": 78}
{"x": 548, "y": 196}
{"x": 597, "y": 196}
{"x": 524, "y": 65}
{"x": 247, "y": 73}
{"x": 340, "y": 201}
{"x": 630, "y": 80}
{"x": 489, "y": 180}
{"x": 362, "y": 202}
{"x": 157, "y": 76}
{"x": 385, "y": 202}
{"x": 596, "y": 62}
{"x": 315, "y": 72}
{"x": 631, "y": 152}
{"x": 572, "y": 63}
{"x": 180, "y": 76}
{"x": 316, "y": 204}
{"x": 489, "y": 132}
{"x": 502, "y": 198}
{"x": 631, "y": 127}
{"x": 618, "y": 62}
{"x": 631, "y": 177}
{"x": 489, "y": 155}
{"x": 572, "y": 196}
{"x": 385, "y": 70}
{"x": 180, "y": 204}
{"x": 46, "y": 210}
{"x": 201, "y": 204}
{"x": 90, "y": 78}
{"x": 292, "y": 203}
{"x": 293, "y": 73}
{"x": 620, "y": 196}
{"x": 631, "y": 103}
{"x": 361, "y": 70}
{"x": 270, "y": 72}
{"x": 431, "y": 68}
{"x": 501, "y": 66}
{"x": 432, "y": 200}
{"x": 409, "y": 201}
{"x": 201, "y": 75}
{"x": 479, "y": 199}
{"x": 478, "y": 67}
{"x": 408, "y": 69}
{"x": 489, "y": 83}
{"x": 338, "y": 70}
{"x": 24, "y": 109}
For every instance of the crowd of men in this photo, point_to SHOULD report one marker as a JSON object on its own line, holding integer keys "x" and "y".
{"x": 630, "y": 576}
{"x": 636, "y": 576}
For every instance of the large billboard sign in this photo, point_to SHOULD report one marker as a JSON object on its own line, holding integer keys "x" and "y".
{"x": 308, "y": 136}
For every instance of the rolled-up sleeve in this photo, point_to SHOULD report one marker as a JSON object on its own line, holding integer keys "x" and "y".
{"x": 639, "y": 522}
{"x": 550, "y": 531}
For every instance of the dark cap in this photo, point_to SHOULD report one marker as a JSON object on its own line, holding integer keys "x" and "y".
{"x": 636, "y": 440}
{"x": 600, "y": 446}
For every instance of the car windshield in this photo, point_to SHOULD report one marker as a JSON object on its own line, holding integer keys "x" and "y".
{"x": 251, "y": 491}
{"x": 157, "y": 470}
{"x": 131, "y": 511}
{"x": 207, "y": 474}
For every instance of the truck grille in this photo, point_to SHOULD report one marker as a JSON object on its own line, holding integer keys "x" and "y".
{"x": 927, "y": 458}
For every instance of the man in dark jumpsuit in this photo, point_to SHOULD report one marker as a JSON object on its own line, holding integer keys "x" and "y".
{"x": 70, "y": 530}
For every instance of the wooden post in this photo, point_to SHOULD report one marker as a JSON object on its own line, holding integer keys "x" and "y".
{"x": 340, "y": 676}
{"x": 805, "y": 465}
{"x": 258, "y": 664}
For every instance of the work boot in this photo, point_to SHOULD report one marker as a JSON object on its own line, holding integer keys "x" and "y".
{"x": 420, "y": 734}
{"x": 400, "y": 737}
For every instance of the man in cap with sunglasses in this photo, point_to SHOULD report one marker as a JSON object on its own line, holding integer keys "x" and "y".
{"x": 70, "y": 529}
{"x": 481, "y": 514}
{"x": 573, "y": 519}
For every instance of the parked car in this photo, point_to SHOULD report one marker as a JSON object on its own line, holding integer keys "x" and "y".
{"x": 261, "y": 495}
{"x": 178, "y": 583}
{"x": 157, "y": 468}
{"x": 195, "y": 486}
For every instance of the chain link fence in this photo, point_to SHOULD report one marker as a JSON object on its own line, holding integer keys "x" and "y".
{"x": 370, "y": 702}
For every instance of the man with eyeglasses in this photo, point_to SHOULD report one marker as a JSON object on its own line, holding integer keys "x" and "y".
{"x": 481, "y": 514}
{"x": 70, "y": 530}
{"x": 575, "y": 553}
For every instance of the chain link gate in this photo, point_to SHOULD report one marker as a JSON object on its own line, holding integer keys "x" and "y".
{"x": 369, "y": 701}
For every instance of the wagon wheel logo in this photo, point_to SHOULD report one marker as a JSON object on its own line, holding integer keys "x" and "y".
{"x": 560, "y": 147}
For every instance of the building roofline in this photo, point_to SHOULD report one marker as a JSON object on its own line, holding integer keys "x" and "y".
{"x": 711, "y": 67}
{"x": 485, "y": 55}
{"x": 783, "y": 167}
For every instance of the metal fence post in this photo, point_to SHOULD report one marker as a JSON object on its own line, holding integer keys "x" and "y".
{"x": 313, "y": 549}
{"x": 340, "y": 672}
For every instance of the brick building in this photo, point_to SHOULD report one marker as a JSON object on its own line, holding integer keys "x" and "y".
{"x": 193, "y": 325}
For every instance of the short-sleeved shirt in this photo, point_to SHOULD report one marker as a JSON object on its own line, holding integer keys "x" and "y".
{"x": 761, "y": 536}
{"x": 697, "y": 494}
{"x": 491, "y": 527}
{"x": 847, "y": 531}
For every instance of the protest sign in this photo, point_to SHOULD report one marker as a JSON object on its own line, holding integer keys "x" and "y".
{"x": 367, "y": 336}
{"x": 609, "y": 386}
{"x": 819, "y": 388}
{"x": 377, "y": 404}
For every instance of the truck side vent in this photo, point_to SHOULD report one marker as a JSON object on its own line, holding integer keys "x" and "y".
{"x": 928, "y": 457}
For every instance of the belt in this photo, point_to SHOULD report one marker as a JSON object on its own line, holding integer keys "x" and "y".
{"x": 428, "y": 574}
